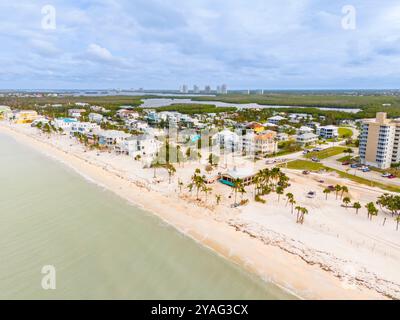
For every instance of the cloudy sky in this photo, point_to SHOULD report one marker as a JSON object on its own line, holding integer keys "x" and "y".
{"x": 270, "y": 44}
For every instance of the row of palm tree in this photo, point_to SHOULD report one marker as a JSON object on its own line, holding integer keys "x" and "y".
{"x": 338, "y": 189}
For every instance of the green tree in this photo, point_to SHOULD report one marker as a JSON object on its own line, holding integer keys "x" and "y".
{"x": 346, "y": 201}
{"x": 357, "y": 206}
{"x": 326, "y": 192}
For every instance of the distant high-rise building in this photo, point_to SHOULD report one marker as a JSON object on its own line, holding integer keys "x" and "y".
{"x": 184, "y": 89}
{"x": 196, "y": 89}
{"x": 207, "y": 89}
{"x": 224, "y": 89}
{"x": 218, "y": 89}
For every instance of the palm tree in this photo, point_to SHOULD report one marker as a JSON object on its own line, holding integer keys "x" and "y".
{"x": 206, "y": 190}
{"x": 292, "y": 202}
{"x": 298, "y": 208}
{"x": 303, "y": 211}
{"x": 156, "y": 165}
{"x": 337, "y": 189}
{"x": 346, "y": 201}
{"x": 372, "y": 210}
{"x": 344, "y": 189}
{"x": 171, "y": 171}
{"x": 397, "y": 222}
{"x": 237, "y": 185}
{"x": 327, "y": 191}
{"x": 289, "y": 196}
{"x": 218, "y": 198}
{"x": 357, "y": 206}
{"x": 279, "y": 191}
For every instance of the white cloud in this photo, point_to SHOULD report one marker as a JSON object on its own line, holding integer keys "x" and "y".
{"x": 99, "y": 52}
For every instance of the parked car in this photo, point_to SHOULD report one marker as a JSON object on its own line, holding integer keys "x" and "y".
{"x": 345, "y": 163}
{"x": 386, "y": 175}
{"x": 366, "y": 170}
{"x": 311, "y": 194}
{"x": 354, "y": 165}
{"x": 306, "y": 151}
{"x": 317, "y": 149}
{"x": 392, "y": 176}
{"x": 331, "y": 188}
{"x": 306, "y": 172}
{"x": 314, "y": 159}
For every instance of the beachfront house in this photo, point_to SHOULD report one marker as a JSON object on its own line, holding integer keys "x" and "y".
{"x": 84, "y": 127}
{"x": 110, "y": 138}
{"x": 245, "y": 175}
{"x": 144, "y": 145}
{"x": 307, "y": 138}
{"x": 25, "y": 116}
{"x": 328, "y": 132}
{"x": 64, "y": 123}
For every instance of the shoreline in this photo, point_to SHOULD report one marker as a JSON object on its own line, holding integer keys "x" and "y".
{"x": 286, "y": 270}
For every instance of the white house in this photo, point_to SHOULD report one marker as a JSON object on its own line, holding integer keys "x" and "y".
{"x": 75, "y": 113}
{"x": 276, "y": 119}
{"x": 227, "y": 139}
{"x": 282, "y": 136}
{"x": 110, "y": 138}
{"x": 84, "y": 127}
{"x": 136, "y": 125}
{"x": 304, "y": 129}
{"x": 95, "y": 117}
{"x": 141, "y": 145}
{"x": 328, "y": 132}
{"x": 307, "y": 138}
{"x": 297, "y": 117}
{"x": 64, "y": 123}
{"x": 81, "y": 104}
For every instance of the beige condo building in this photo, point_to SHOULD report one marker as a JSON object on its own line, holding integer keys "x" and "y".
{"x": 379, "y": 141}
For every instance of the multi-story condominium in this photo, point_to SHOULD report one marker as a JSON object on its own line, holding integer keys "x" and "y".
{"x": 379, "y": 141}
{"x": 328, "y": 132}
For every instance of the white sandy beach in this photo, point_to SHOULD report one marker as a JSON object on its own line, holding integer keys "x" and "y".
{"x": 336, "y": 254}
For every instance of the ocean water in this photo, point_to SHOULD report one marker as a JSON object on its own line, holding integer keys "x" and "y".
{"x": 100, "y": 246}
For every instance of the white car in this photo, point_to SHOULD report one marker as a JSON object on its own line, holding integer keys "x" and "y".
{"x": 386, "y": 174}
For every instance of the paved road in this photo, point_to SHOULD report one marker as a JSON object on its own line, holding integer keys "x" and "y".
{"x": 372, "y": 175}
